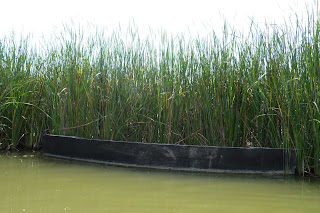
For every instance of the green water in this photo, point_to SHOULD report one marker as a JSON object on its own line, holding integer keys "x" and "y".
{"x": 32, "y": 183}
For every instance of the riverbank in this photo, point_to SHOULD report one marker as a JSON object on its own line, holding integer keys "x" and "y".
{"x": 257, "y": 91}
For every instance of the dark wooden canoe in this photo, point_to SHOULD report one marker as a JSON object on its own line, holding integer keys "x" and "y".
{"x": 172, "y": 157}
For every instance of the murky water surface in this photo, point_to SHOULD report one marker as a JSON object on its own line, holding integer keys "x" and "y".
{"x": 32, "y": 183}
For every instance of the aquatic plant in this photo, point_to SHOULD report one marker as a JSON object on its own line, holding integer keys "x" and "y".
{"x": 256, "y": 90}
{"x": 21, "y": 119}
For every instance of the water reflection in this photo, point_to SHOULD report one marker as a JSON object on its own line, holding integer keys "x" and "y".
{"x": 31, "y": 183}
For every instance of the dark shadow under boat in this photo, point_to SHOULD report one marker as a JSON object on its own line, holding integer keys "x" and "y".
{"x": 172, "y": 157}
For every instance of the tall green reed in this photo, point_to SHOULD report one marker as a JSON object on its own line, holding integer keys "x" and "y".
{"x": 258, "y": 90}
{"x": 21, "y": 89}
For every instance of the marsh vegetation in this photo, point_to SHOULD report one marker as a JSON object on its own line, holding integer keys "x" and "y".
{"x": 260, "y": 89}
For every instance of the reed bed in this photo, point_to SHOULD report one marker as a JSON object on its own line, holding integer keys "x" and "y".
{"x": 259, "y": 90}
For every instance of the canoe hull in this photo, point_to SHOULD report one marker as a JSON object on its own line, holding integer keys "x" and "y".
{"x": 171, "y": 157}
